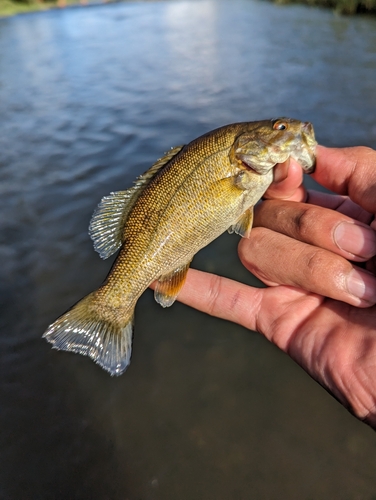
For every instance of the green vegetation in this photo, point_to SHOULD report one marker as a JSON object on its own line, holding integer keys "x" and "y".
{"x": 12, "y": 7}
{"x": 341, "y": 6}
{"x": 9, "y": 7}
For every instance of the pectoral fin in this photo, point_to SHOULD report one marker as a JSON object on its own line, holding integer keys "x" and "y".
{"x": 169, "y": 286}
{"x": 244, "y": 225}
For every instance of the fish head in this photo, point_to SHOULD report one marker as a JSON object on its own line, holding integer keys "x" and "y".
{"x": 266, "y": 143}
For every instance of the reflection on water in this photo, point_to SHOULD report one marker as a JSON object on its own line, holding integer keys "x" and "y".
{"x": 89, "y": 98}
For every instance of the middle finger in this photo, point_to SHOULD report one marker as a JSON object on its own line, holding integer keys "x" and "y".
{"x": 318, "y": 226}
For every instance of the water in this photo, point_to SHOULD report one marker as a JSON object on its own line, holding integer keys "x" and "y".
{"x": 89, "y": 98}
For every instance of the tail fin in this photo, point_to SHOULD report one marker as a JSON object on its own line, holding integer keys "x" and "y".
{"x": 82, "y": 330}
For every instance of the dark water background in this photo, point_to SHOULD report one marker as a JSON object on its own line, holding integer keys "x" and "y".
{"x": 89, "y": 98}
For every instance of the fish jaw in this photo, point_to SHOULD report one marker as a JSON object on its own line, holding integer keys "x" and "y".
{"x": 306, "y": 154}
{"x": 298, "y": 142}
{"x": 275, "y": 141}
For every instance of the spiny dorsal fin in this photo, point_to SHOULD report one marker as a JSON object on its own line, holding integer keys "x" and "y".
{"x": 107, "y": 223}
{"x": 160, "y": 163}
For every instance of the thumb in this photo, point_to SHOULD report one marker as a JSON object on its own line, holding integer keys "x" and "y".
{"x": 288, "y": 182}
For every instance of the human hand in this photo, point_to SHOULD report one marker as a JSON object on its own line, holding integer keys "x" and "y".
{"x": 320, "y": 307}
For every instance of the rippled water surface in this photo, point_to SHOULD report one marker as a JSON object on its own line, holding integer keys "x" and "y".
{"x": 89, "y": 98}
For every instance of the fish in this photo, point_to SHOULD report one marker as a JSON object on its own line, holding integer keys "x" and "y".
{"x": 188, "y": 198}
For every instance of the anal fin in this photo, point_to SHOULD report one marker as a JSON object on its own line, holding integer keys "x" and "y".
{"x": 243, "y": 225}
{"x": 169, "y": 286}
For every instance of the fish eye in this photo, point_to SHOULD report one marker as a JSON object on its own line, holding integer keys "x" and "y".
{"x": 280, "y": 125}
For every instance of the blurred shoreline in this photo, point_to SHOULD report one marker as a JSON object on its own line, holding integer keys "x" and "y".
{"x": 10, "y": 8}
{"x": 14, "y": 7}
{"x": 344, "y": 7}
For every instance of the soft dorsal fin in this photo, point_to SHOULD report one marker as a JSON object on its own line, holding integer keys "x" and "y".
{"x": 108, "y": 220}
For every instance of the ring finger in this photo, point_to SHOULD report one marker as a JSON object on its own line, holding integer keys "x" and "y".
{"x": 278, "y": 259}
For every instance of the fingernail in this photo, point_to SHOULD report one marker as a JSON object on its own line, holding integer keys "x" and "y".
{"x": 362, "y": 285}
{"x": 356, "y": 239}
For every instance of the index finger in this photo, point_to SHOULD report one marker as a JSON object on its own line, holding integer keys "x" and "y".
{"x": 348, "y": 171}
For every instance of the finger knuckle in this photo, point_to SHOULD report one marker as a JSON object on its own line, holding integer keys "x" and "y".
{"x": 249, "y": 248}
{"x": 304, "y": 222}
{"x": 214, "y": 291}
{"x": 317, "y": 261}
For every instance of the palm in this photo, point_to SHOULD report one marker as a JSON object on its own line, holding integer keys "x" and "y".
{"x": 333, "y": 341}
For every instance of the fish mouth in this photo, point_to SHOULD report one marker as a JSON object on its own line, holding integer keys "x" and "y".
{"x": 309, "y": 169}
{"x": 247, "y": 165}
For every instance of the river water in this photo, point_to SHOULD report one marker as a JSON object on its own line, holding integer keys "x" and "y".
{"x": 89, "y": 98}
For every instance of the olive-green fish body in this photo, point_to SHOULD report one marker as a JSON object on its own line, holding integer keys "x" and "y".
{"x": 186, "y": 200}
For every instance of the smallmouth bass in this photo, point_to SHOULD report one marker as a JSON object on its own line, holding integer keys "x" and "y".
{"x": 182, "y": 203}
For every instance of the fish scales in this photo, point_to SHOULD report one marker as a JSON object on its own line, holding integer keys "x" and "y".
{"x": 186, "y": 200}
